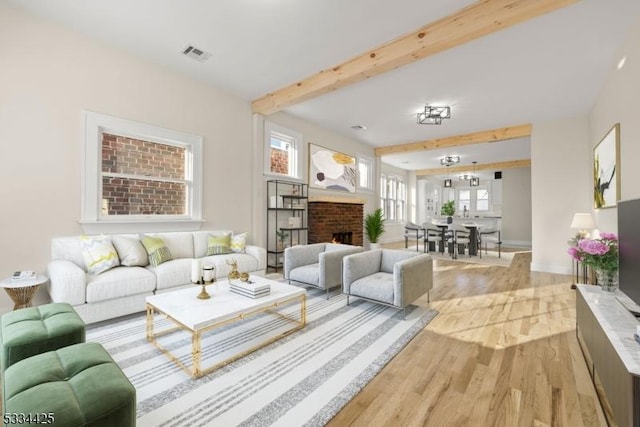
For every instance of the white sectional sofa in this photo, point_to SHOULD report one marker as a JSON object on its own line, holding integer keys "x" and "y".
{"x": 122, "y": 290}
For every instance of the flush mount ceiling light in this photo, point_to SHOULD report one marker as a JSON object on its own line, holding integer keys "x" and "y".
{"x": 449, "y": 160}
{"x": 433, "y": 115}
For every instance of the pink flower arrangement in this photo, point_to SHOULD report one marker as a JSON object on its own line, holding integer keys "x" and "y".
{"x": 601, "y": 254}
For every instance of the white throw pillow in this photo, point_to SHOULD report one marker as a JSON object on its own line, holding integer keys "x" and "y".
{"x": 98, "y": 253}
{"x": 130, "y": 250}
{"x": 239, "y": 242}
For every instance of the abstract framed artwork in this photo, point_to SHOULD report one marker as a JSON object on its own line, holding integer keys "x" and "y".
{"x": 606, "y": 170}
{"x": 331, "y": 170}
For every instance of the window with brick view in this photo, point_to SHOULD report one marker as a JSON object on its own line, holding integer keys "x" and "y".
{"x": 142, "y": 177}
{"x": 136, "y": 173}
{"x": 282, "y": 148}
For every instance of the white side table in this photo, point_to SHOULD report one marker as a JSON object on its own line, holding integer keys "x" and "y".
{"x": 22, "y": 293}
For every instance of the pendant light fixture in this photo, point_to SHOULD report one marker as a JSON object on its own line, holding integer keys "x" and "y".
{"x": 475, "y": 179}
{"x": 447, "y": 181}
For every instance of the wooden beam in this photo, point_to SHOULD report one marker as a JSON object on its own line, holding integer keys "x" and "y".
{"x": 493, "y": 135}
{"x": 469, "y": 168}
{"x": 479, "y": 19}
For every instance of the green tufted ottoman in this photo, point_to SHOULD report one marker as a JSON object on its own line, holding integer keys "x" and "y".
{"x": 79, "y": 385}
{"x": 35, "y": 330}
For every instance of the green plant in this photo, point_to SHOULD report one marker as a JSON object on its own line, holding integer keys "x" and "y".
{"x": 374, "y": 225}
{"x": 448, "y": 208}
{"x": 282, "y": 235}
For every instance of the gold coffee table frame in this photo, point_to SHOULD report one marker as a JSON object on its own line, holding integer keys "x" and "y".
{"x": 196, "y": 334}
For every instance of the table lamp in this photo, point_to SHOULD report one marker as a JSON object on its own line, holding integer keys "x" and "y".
{"x": 582, "y": 222}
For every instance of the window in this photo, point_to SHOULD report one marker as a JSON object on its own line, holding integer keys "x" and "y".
{"x": 482, "y": 199}
{"x": 464, "y": 200}
{"x": 136, "y": 173}
{"x": 393, "y": 197}
{"x": 476, "y": 199}
{"x": 282, "y": 148}
{"x": 365, "y": 173}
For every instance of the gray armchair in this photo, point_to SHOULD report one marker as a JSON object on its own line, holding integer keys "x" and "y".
{"x": 318, "y": 264}
{"x": 391, "y": 277}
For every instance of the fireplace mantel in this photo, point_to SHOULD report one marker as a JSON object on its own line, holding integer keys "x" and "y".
{"x": 336, "y": 199}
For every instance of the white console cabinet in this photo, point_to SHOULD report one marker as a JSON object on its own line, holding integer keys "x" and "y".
{"x": 605, "y": 331}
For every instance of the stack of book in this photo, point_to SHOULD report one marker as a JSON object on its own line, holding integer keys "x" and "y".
{"x": 250, "y": 289}
{"x": 23, "y": 277}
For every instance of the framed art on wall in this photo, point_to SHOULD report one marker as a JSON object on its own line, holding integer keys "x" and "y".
{"x": 606, "y": 170}
{"x": 331, "y": 170}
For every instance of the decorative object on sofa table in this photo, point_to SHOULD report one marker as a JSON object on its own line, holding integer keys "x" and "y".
{"x": 234, "y": 273}
{"x": 208, "y": 273}
{"x": 601, "y": 254}
{"x": 249, "y": 289}
{"x": 196, "y": 271}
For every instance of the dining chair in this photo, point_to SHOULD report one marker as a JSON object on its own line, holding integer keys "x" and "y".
{"x": 490, "y": 236}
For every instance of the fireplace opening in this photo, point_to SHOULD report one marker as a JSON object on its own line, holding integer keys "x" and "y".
{"x": 345, "y": 237}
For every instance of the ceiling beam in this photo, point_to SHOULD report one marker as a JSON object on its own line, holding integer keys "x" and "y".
{"x": 470, "y": 168}
{"x": 492, "y": 135}
{"x": 479, "y": 19}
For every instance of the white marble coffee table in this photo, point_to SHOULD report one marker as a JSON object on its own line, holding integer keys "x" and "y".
{"x": 197, "y": 316}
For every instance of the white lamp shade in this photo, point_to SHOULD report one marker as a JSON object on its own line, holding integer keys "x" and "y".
{"x": 583, "y": 221}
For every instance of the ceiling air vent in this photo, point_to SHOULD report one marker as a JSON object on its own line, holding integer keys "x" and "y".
{"x": 195, "y": 53}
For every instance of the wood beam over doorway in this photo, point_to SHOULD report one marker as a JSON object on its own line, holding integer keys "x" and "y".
{"x": 470, "y": 23}
{"x": 492, "y": 135}
{"x": 470, "y": 168}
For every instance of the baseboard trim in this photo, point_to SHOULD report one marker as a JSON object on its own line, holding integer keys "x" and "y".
{"x": 551, "y": 268}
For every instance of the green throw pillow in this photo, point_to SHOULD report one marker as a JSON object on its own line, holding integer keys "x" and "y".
{"x": 157, "y": 250}
{"x": 219, "y": 244}
{"x": 239, "y": 242}
{"x": 98, "y": 253}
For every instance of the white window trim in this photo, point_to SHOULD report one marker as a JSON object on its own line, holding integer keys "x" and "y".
{"x": 483, "y": 187}
{"x": 92, "y": 221}
{"x": 296, "y": 136}
{"x": 398, "y": 179}
{"x": 473, "y": 198}
{"x": 371, "y": 175}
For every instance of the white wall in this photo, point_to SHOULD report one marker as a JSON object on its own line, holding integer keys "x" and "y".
{"x": 560, "y": 177}
{"x": 516, "y": 206}
{"x": 48, "y": 75}
{"x": 618, "y": 103}
{"x": 562, "y": 159}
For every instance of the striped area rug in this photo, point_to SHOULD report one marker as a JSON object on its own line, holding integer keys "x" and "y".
{"x": 302, "y": 379}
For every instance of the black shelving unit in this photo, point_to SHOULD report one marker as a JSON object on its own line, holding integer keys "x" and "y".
{"x": 286, "y": 212}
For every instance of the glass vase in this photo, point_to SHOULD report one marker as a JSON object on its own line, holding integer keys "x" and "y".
{"x": 607, "y": 279}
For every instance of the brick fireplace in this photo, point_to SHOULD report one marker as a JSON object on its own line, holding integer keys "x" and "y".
{"x": 336, "y": 217}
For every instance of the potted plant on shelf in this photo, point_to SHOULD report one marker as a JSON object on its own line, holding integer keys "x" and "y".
{"x": 374, "y": 227}
{"x": 448, "y": 209}
{"x": 282, "y": 236}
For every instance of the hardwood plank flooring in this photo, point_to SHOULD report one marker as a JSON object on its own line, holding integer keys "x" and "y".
{"x": 502, "y": 352}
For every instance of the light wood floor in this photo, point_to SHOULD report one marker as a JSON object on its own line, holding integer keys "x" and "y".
{"x": 502, "y": 352}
